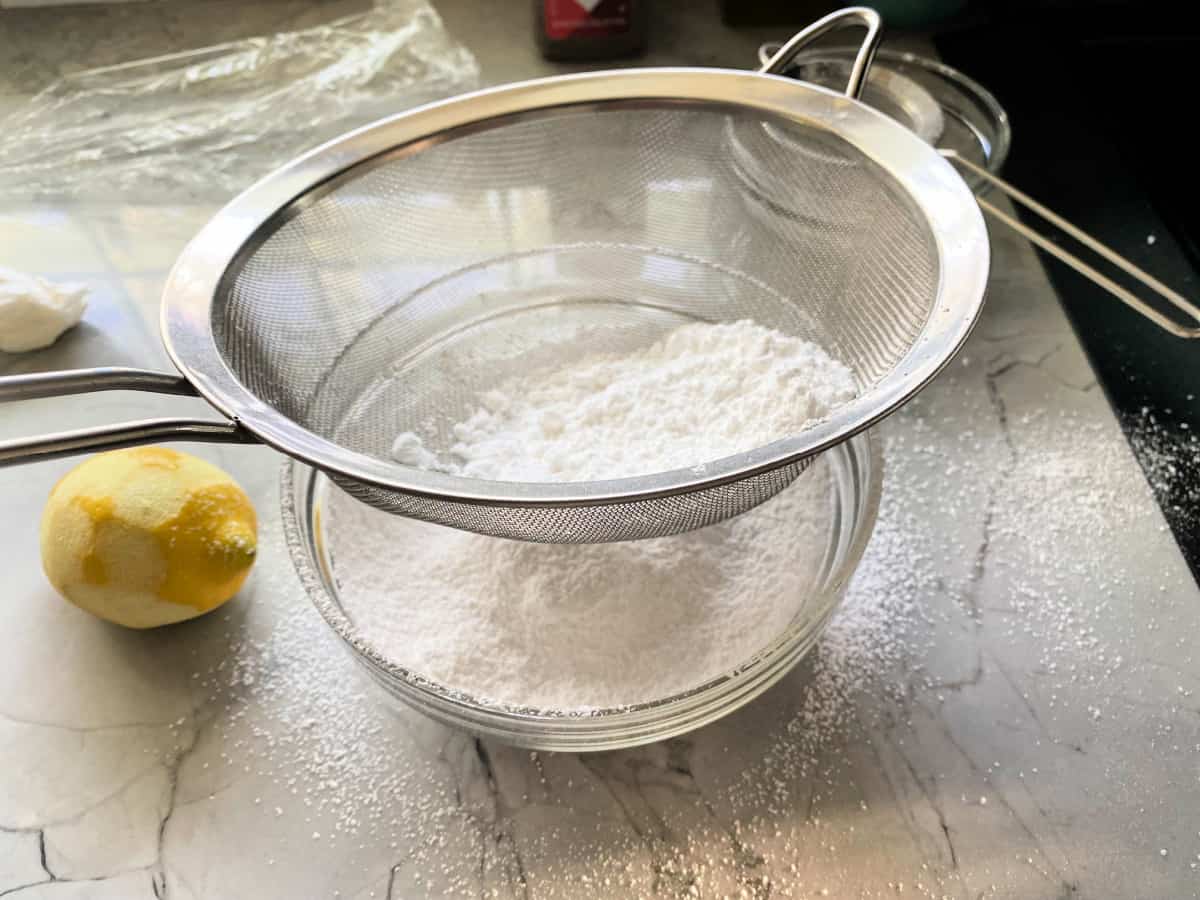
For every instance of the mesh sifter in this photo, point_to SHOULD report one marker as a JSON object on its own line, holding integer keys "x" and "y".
{"x": 383, "y": 281}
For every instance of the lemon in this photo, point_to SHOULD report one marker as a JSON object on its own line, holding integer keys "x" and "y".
{"x": 147, "y": 536}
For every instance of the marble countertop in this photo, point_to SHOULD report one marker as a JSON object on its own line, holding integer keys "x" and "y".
{"x": 1008, "y": 707}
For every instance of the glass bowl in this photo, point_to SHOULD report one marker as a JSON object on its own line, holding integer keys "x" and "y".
{"x": 939, "y": 104}
{"x": 855, "y": 476}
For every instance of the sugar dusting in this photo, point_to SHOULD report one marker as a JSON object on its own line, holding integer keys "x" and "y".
{"x": 905, "y": 654}
{"x": 1169, "y": 453}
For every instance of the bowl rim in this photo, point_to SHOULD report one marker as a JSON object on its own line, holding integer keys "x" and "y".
{"x": 650, "y": 720}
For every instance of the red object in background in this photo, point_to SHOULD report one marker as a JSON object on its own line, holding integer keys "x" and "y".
{"x": 590, "y": 29}
{"x": 576, "y": 18}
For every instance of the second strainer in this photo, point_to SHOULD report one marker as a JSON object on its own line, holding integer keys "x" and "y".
{"x": 381, "y": 283}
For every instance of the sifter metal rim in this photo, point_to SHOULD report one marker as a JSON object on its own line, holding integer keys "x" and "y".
{"x": 935, "y": 187}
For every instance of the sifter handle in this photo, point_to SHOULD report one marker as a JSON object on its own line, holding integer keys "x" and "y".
{"x": 843, "y": 18}
{"x": 113, "y": 437}
{"x": 84, "y": 381}
{"x": 108, "y": 437}
{"x": 1130, "y": 299}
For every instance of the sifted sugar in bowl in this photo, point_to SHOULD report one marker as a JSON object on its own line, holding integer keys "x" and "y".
{"x": 571, "y": 627}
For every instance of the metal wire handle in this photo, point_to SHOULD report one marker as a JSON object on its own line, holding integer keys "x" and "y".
{"x": 843, "y": 18}
{"x": 1130, "y": 299}
{"x": 85, "y": 381}
{"x": 18, "y": 451}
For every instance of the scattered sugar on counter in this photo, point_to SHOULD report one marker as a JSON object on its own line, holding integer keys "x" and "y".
{"x": 319, "y": 741}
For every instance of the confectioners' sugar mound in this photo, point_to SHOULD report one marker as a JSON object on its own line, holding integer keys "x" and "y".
{"x": 596, "y": 626}
{"x": 580, "y": 626}
{"x": 702, "y": 392}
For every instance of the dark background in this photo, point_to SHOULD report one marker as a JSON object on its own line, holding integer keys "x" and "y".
{"x": 1101, "y": 99}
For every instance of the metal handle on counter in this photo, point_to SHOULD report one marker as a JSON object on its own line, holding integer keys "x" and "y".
{"x": 84, "y": 381}
{"x": 107, "y": 437}
{"x": 113, "y": 437}
{"x": 1126, "y": 296}
{"x": 843, "y": 18}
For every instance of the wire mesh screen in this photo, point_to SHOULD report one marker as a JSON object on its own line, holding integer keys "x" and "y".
{"x": 391, "y": 299}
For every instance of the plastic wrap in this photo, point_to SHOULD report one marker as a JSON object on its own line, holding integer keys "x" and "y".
{"x": 210, "y": 121}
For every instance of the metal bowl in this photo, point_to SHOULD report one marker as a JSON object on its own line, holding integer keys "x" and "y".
{"x": 856, "y": 473}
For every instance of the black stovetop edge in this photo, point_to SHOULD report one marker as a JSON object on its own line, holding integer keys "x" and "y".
{"x": 1093, "y": 138}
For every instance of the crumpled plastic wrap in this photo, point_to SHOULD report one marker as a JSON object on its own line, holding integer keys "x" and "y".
{"x": 210, "y": 121}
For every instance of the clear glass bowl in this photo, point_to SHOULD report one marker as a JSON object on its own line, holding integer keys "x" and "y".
{"x": 856, "y": 475}
{"x": 939, "y": 104}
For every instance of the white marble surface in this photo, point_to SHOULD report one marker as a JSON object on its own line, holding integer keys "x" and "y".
{"x": 1011, "y": 708}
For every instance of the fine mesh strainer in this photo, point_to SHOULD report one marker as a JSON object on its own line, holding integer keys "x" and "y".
{"x": 380, "y": 283}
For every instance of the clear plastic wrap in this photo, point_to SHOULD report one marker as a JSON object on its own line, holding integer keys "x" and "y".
{"x": 210, "y": 121}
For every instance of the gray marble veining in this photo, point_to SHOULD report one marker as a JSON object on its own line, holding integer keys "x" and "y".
{"x": 1034, "y": 733}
